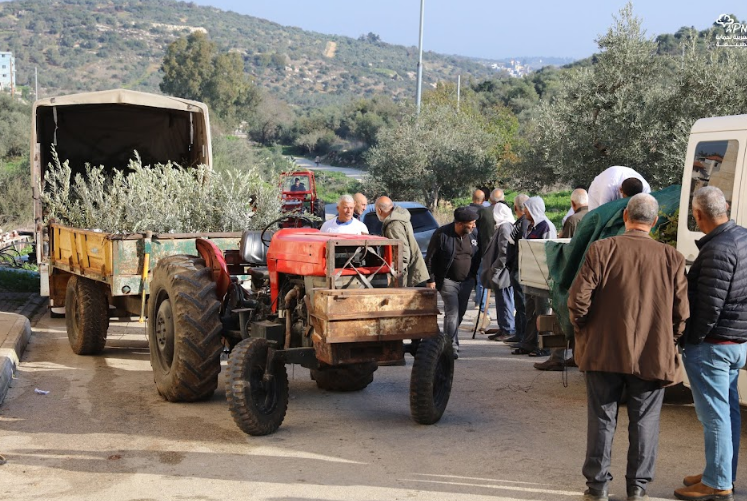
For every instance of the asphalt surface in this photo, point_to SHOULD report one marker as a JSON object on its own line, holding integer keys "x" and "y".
{"x": 510, "y": 432}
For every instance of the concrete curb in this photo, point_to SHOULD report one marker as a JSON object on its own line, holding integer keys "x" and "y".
{"x": 15, "y": 332}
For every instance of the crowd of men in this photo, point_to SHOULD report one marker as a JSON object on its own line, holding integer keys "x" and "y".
{"x": 632, "y": 304}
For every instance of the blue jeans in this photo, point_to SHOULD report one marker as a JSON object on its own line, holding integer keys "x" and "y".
{"x": 520, "y": 320}
{"x": 712, "y": 370}
{"x": 480, "y": 291}
{"x": 504, "y": 309}
{"x": 455, "y": 296}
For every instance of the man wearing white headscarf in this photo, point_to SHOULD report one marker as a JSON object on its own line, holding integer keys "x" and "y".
{"x": 539, "y": 228}
{"x": 496, "y": 274}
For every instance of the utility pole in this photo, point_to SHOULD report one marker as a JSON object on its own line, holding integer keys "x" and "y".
{"x": 459, "y": 90}
{"x": 419, "y": 91}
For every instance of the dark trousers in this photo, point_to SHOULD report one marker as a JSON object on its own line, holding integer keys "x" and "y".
{"x": 535, "y": 306}
{"x": 521, "y": 318}
{"x": 604, "y": 390}
{"x": 455, "y": 296}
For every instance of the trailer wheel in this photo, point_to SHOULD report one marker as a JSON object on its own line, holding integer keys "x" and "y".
{"x": 87, "y": 316}
{"x": 430, "y": 382}
{"x": 184, "y": 329}
{"x": 353, "y": 377}
{"x": 257, "y": 403}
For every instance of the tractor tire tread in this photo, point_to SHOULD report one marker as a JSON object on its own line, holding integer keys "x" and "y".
{"x": 193, "y": 375}
{"x": 429, "y": 389}
{"x": 247, "y": 353}
{"x": 89, "y": 336}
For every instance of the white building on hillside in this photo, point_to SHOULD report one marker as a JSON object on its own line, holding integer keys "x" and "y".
{"x": 7, "y": 70}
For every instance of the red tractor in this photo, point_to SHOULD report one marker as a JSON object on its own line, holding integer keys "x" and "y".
{"x": 298, "y": 196}
{"x": 328, "y": 302}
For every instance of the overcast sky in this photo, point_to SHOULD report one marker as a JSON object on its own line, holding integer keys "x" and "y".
{"x": 491, "y": 29}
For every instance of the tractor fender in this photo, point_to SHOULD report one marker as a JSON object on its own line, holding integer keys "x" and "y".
{"x": 214, "y": 260}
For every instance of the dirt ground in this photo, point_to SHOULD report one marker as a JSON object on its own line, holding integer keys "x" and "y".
{"x": 510, "y": 432}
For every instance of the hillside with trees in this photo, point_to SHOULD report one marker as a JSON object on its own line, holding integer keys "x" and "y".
{"x": 86, "y": 45}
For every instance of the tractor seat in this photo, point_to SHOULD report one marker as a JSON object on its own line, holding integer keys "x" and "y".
{"x": 251, "y": 248}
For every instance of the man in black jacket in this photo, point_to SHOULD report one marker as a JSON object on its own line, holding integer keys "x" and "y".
{"x": 715, "y": 348}
{"x": 452, "y": 260}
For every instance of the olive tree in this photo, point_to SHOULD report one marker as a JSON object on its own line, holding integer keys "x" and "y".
{"x": 441, "y": 151}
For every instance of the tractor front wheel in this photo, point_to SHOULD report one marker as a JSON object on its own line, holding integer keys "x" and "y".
{"x": 257, "y": 398}
{"x": 430, "y": 382}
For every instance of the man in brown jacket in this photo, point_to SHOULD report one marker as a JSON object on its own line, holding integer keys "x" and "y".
{"x": 628, "y": 305}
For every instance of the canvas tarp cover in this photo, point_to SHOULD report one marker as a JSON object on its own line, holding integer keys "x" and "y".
{"x": 565, "y": 259}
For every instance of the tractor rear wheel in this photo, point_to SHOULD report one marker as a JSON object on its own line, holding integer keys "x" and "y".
{"x": 430, "y": 382}
{"x": 257, "y": 399}
{"x": 86, "y": 316}
{"x": 353, "y": 377}
{"x": 184, "y": 329}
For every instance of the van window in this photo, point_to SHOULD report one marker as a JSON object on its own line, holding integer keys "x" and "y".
{"x": 715, "y": 164}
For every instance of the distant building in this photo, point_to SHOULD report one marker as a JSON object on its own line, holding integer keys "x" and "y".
{"x": 7, "y": 70}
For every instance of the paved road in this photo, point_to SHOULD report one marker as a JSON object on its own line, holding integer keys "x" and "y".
{"x": 509, "y": 433}
{"x": 351, "y": 172}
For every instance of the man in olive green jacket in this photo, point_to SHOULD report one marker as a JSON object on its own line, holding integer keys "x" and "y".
{"x": 396, "y": 225}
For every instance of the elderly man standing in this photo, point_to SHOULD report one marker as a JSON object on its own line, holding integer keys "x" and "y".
{"x": 345, "y": 222}
{"x": 452, "y": 260}
{"x": 519, "y": 231}
{"x": 628, "y": 305}
{"x": 395, "y": 223}
{"x": 580, "y": 207}
{"x": 715, "y": 348}
{"x": 360, "y": 205}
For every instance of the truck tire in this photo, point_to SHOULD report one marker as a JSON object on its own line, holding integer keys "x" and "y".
{"x": 353, "y": 377}
{"x": 87, "y": 316}
{"x": 257, "y": 405}
{"x": 184, "y": 329}
{"x": 430, "y": 382}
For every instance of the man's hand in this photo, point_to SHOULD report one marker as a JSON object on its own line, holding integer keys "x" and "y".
{"x": 431, "y": 285}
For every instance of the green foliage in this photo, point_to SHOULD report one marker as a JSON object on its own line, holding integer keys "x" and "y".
{"x": 85, "y": 45}
{"x": 19, "y": 281}
{"x": 14, "y": 128}
{"x": 160, "y": 198}
{"x": 331, "y": 185}
{"x": 432, "y": 155}
{"x": 16, "y": 208}
{"x": 193, "y": 69}
{"x": 629, "y": 107}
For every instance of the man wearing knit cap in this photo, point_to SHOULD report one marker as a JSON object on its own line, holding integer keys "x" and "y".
{"x": 452, "y": 260}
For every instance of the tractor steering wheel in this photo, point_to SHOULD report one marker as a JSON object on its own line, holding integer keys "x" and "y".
{"x": 301, "y": 222}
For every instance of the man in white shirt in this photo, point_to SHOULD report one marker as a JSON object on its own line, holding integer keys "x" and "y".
{"x": 345, "y": 222}
{"x": 606, "y": 186}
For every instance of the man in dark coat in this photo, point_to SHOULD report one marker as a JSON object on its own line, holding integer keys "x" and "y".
{"x": 715, "y": 350}
{"x": 452, "y": 260}
{"x": 628, "y": 306}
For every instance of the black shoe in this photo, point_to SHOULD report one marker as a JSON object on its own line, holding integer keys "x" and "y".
{"x": 512, "y": 339}
{"x": 637, "y": 493}
{"x": 592, "y": 494}
{"x": 456, "y": 355}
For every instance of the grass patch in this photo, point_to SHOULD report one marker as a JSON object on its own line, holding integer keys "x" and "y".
{"x": 330, "y": 185}
{"x": 19, "y": 281}
{"x": 557, "y": 204}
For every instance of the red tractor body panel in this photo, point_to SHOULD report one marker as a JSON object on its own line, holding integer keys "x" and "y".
{"x": 305, "y": 251}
